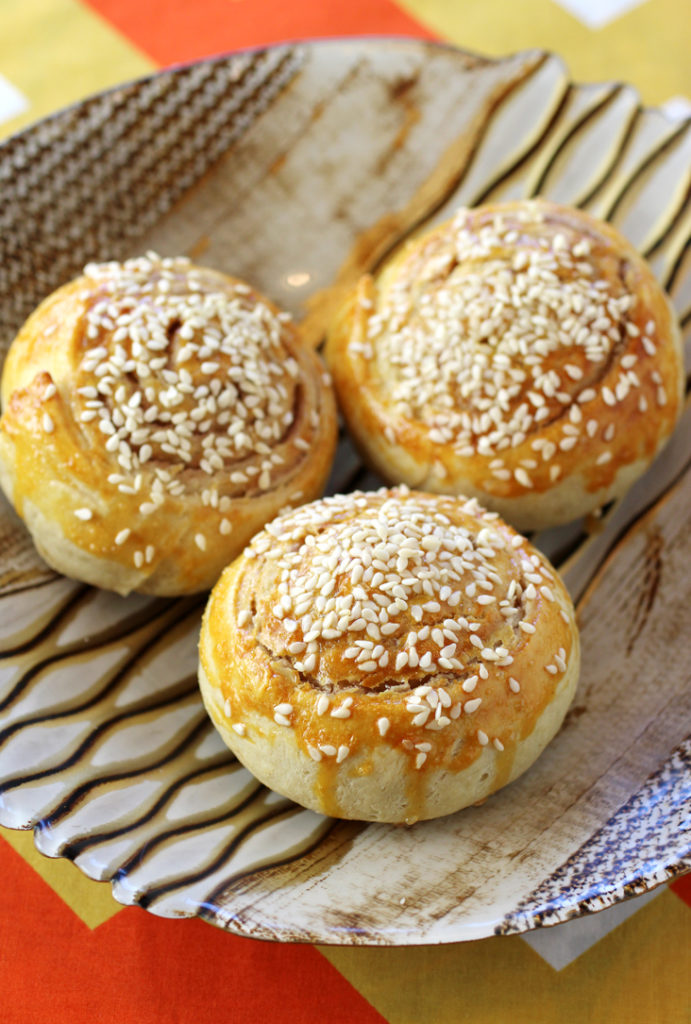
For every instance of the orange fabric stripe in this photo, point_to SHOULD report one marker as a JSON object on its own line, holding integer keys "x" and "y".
{"x": 175, "y": 32}
{"x": 682, "y": 888}
{"x": 140, "y": 968}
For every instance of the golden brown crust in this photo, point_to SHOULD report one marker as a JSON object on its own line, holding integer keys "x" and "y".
{"x": 522, "y": 353}
{"x": 396, "y": 643}
{"x": 155, "y": 416}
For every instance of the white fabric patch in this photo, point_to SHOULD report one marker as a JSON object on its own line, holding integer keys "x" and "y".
{"x": 564, "y": 943}
{"x": 678, "y": 108}
{"x": 12, "y": 101}
{"x": 597, "y": 13}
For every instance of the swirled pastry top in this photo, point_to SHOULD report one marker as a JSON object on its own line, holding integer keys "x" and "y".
{"x": 506, "y": 349}
{"x": 395, "y": 619}
{"x": 177, "y": 405}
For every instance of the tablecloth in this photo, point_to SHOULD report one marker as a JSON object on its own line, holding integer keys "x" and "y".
{"x": 68, "y": 951}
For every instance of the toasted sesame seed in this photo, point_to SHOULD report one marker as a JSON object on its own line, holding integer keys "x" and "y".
{"x": 47, "y": 423}
{"x": 122, "y": 535}
{"x": 522, "y": 477}
{"x": 83, "y": 513}
{"x": 159, "y": 411}
{"x": 343, "y": 711}
{"x": 239, "y": 728}
{"x": 482, "y": 738}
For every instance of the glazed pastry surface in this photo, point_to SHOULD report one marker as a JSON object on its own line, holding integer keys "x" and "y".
{"x": 155, "y": 415}
{"x": 388, "y": 656}
{"x": 522, "y": 353}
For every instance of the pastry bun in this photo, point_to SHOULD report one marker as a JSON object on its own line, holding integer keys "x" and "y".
{"x": 155, "y": 415}
{"x": 521, "y": 353}
{"x": 391, "y": 656}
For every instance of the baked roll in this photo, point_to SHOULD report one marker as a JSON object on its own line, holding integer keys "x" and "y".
{"x": 521, "y": 353}
{"x": 155, "y": 415}
{"x": 391, "y": 656}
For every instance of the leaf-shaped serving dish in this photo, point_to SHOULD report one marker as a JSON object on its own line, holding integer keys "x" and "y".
{"x": 298, "y": 167}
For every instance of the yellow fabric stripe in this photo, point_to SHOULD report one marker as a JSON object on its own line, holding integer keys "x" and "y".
{"x": 646, "y": 46}
{"x": 92, "y": 902}
{"x": 503, "y": 979}
{"x": 58, "y": 51}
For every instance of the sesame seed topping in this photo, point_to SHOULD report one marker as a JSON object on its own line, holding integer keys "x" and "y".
{"x": 347, "y": 566}
{"x": 239, "y": 728}
{"x": 83, "y": 513}
{"x": 495, "y": 326}
{"x": 183, "y": 367}
{"x": 47, "y": 423}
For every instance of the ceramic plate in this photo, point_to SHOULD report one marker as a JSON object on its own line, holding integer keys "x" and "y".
{"x": 297, "y": 168}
